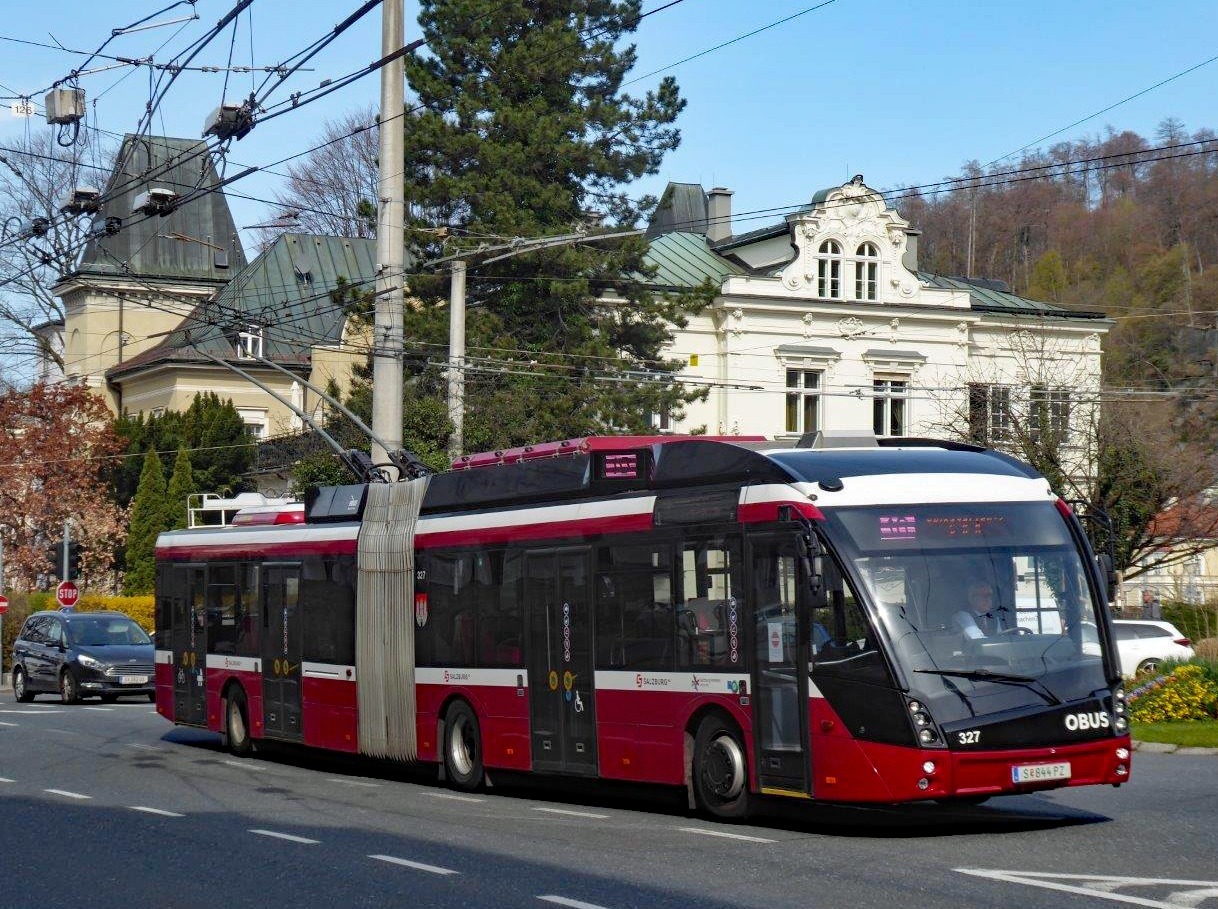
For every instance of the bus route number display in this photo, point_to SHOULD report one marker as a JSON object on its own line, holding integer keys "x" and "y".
{"x": 621, "y": 467}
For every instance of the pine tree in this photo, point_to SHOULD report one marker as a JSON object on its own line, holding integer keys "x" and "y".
{"x": 148, "y": 512}
{"x": 525, "y": 131}
{"x": 181, "y": 485}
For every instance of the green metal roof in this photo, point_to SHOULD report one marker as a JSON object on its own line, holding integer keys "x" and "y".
{"x": 210, "y": 251}
{"x": 286, "y": 290}
{"x": 987, "y": 295}
{"x": 684, "y": 260}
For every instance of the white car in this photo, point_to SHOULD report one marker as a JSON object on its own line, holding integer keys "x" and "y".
{"x": 1143, "y": 644}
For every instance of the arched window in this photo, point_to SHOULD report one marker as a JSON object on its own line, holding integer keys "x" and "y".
{"x": 829, "y": 270}
{"x": 867, "y": 272}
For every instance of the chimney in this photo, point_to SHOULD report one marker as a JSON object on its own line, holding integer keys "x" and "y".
{"x": 719, "y": 214}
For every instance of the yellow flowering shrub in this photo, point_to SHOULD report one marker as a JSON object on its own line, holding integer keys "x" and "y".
{"x": 139, "y": 608}
{"x": 1188, "y": 693}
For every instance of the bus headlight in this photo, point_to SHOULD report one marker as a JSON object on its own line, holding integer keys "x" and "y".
{"x": 928, "y": 733}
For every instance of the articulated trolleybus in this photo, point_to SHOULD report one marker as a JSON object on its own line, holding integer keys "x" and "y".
{"x": 876, "y": 624}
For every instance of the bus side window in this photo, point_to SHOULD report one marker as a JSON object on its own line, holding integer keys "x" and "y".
{"x": 327, "y": 601}
{"x": 448, "y": 636}
{"x": 634, "y": 615}
{"x": 710, "y": 586}
{"x": 249, "y": 606}
{"x": 843, "y": 642}
{"x": 496, "y": 575}
{"x": 223, "y": 602}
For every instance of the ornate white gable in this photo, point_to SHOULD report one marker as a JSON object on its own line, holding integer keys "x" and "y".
{"x": 852, "y": 214}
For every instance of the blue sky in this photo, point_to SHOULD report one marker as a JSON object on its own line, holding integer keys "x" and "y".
{"x": 901, "y": 92}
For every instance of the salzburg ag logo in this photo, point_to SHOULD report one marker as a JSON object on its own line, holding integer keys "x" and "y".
{"x": 1082, "y": 722}
{"x": 638, "y": 680}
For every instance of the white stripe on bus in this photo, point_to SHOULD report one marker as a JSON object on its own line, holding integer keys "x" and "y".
{"x": 164, "y": 656}
{"x": 684, "y": 682}
{"x": 473, "y": 521}
{"x": 493, "y": 678}
{"x": 236, "y": 663}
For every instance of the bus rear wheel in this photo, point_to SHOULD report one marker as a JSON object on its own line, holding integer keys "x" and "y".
{"x": 720, "y": 770}
{"x": 462, "y": 747}
{"x": 236, "y": 723}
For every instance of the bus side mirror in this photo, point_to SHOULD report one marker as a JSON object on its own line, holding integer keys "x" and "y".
{"x": 813, "y": 560}
{"x": 1109, "y": 572}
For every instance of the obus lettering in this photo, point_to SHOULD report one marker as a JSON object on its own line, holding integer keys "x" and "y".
{"x": 1082, "y": 722}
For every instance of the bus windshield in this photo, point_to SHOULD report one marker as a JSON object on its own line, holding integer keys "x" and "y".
{"x": 987, "y": 605}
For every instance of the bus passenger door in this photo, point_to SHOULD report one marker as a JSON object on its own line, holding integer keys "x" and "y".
{"x": 188, "y": 641}
{"x": 281, "y": 652}
{"x": 560, "y": 657}
{"x": 781, "y": 635}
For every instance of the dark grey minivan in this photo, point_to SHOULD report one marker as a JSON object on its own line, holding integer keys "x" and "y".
{"x": 82, "y": 654}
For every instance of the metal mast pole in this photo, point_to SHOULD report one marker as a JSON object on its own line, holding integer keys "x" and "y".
{"x": 456, "y": 360}
{"x": 390, "y": 242}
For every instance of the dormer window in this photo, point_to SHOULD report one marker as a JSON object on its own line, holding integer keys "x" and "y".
{"x": 249, "y": 343}
{"x": 867, "y": 272}
{"x": 829, "y": 270}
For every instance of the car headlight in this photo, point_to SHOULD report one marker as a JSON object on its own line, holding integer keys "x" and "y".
{"x": 90, "y": 662}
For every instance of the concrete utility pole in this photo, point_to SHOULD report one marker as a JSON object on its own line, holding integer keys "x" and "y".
{"x": 456, "y": 360}
{"x": 390, "y": 242}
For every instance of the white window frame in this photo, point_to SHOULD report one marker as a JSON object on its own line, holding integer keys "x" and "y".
{"x": 867, "y": 272}
{"x": 882, "y": 391}
{"x": 249, "y": 343}
{"x": 256, "y": 421}
{"x": 829, "y": 270}
{"x": 998, "y": 412}
{"x": 799, "y": 394}
{"x": 1057, "y": 403}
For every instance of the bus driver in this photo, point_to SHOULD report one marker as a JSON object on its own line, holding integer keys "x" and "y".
{"x": 981, "y": 619}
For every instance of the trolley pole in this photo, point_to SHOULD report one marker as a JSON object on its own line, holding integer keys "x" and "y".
{"x": 387, "y": 342}
{"x": 456, "y": 360}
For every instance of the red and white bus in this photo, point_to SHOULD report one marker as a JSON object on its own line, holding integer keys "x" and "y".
{"x": 887, "y": 623}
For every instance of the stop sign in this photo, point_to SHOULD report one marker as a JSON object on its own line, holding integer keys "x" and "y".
{"x": 66, "y": 594}
{"x": 3, "y": 604}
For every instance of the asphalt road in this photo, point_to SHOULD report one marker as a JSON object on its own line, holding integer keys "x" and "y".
{"x": 107, "y": 805}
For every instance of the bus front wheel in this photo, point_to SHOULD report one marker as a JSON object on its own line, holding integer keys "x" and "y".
{"x": 720, "y": 770}
{"x": 462, "y": 747}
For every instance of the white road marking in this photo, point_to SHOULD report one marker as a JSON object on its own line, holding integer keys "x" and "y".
{"x": 142, "y": 747}
{"x": 5, "y": 779}
{"x": 161, "y": 811}
{"x": 567, "y": 901}
{"x": 31, "y": 712}
{"x": 107, "y": 709}
{"x": 455, "y": 798}
{"x": 62, "y": 731}
{"x": 248, "y": 765}
{"x": 66, "y": 794}
{"x": 417, "y": 866}
{"x": 10, "y": 725}
{"x": 726, "y": 835}
{"x": 1102, "y": 886}
{"x": 354, "y": 783}
{"x": 286, "y": 836}
{"x": 573, "y": 813}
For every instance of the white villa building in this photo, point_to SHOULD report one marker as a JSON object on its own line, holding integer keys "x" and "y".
{"x": 824, "y": 321}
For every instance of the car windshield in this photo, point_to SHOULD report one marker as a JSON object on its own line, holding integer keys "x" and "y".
{"x": 987, "y": 606}
{"x": 106, "y": 631}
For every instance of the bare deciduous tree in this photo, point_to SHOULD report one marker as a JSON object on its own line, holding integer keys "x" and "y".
{"x": 35, "y": 176}
{"x": 334, "y": 189}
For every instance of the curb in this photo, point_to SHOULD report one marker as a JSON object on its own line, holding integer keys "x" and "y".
{"x": 1165, "y": 748}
